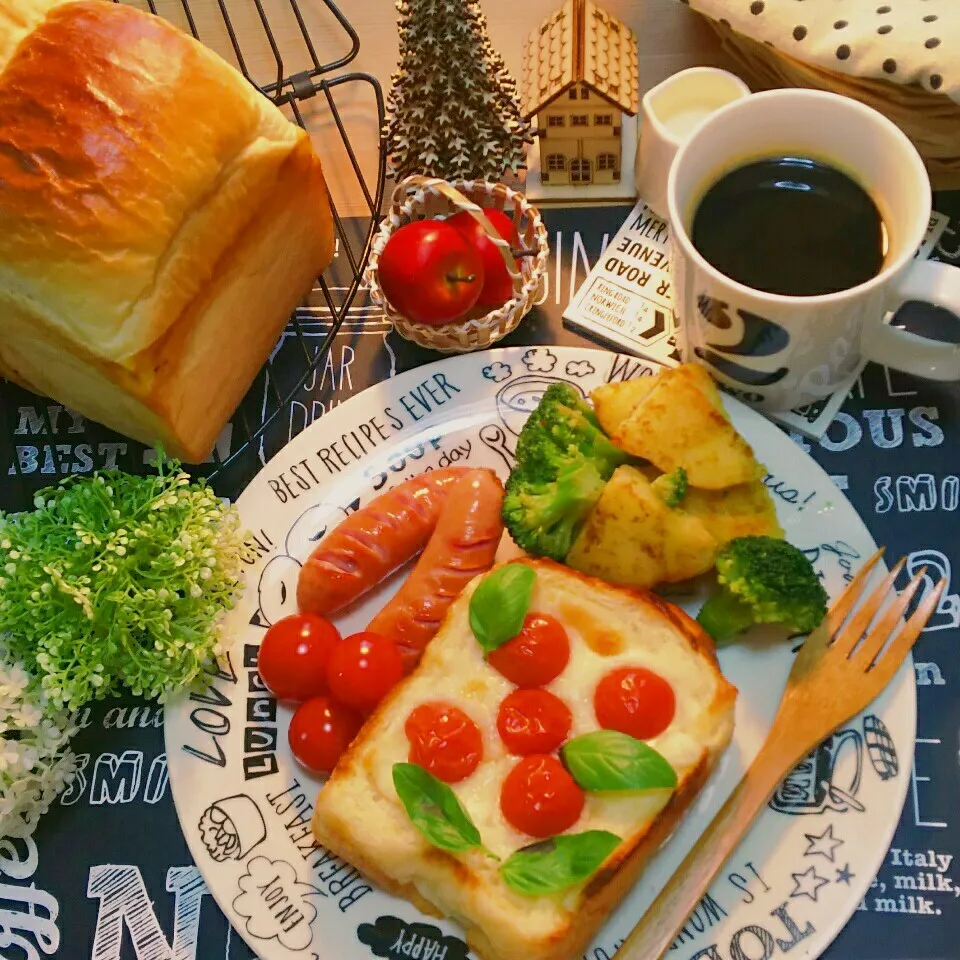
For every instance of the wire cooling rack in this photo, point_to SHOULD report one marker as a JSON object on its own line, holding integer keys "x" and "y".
{"x": 272, "y": 43}
{"x": 290, "y": 74}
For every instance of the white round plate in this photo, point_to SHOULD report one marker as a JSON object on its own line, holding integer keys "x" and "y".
{"x": 245, "y": 805}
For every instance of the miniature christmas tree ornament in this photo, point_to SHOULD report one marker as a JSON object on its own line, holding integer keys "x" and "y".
{"x": 452, "y": 111}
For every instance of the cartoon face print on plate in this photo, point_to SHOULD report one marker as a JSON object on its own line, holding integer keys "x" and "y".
{"x": 517, "y": 398}
{"x": 277, "y": 585}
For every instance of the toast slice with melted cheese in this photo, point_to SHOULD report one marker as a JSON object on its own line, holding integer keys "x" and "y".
{"x": 360, "y": 817}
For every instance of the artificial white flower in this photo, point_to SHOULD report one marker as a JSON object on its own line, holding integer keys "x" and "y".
{"x": 35, "y": 762}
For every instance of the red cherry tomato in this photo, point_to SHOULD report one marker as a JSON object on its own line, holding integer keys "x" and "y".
{"x": 497, "y": 285}
{"x": 533, "y": 721}
{"x": 444, "y": 741}
{"x": 538, "y": 654}
{"x": 362, "y": 669}
{"x": 430, "y": 272}
{"x": 539, "y": 797}
{"x": 320, "y": 730}
{"x": 635, "y": 701}
{"x": 293, "y": 656}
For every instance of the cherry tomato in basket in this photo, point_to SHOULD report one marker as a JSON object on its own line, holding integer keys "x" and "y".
{"x": 444, "y": 741}
{"x": 497, "y": 285}
{"x": 536, "y": 655}
{"x": 320, "y": 730}
{"x": 293, "y": 656}
{"x": 533, "y": 721}
{"x": 634, "y": 701}
{"x": 362, "y": 669}
{"x": 430, "y": 273}
{"x": 539, "y": 797}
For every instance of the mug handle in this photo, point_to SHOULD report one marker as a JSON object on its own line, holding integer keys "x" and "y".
{"x": 929, "y": 282}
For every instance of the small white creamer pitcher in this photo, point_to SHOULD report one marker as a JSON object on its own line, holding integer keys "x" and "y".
{"x": 670, "y": 113}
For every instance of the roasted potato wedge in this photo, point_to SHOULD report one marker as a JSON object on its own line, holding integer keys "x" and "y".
{"x": 681, "y": 423}
{"x": 614, "y": 402}
{"x": 745, "y": 510}
{"x": 632, "y": 537}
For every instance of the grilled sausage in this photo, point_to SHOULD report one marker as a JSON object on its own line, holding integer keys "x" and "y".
{"x": 369, "y": 544}
{"x": 463, "y": 545}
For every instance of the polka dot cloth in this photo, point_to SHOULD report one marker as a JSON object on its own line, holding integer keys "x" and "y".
{"x": 904, "y": 41}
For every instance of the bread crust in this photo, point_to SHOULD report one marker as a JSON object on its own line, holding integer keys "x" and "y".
{"x": 344, "y": 818}
{"x": 160, "y": 220}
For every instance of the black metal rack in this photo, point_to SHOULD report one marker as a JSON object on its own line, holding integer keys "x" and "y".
{"x": 278, "y": 55}
{"x": 335, "y": 291}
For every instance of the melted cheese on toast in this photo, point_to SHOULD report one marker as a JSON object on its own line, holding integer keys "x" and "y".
{"x": 360, "y": 816}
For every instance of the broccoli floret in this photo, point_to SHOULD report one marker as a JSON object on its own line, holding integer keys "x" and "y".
{"x": 544, "y": 517}
{"x": 763, "y": 580}
{"x": 672, "y": 487}
{"x": 565, "y": 421}
{"x": 563, "y": 460}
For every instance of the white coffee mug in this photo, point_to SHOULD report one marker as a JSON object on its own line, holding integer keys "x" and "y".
{"x": 781, "y": 352}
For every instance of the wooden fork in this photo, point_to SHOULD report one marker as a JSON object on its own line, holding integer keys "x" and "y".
{"x": 838, "y": 671}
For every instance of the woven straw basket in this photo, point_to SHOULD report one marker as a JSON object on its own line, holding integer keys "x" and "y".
{"x": 932, "y": 122}
{"x": 421, "y": 197}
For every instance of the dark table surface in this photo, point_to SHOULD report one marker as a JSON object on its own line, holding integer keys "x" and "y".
{"x": 108, "y": 875}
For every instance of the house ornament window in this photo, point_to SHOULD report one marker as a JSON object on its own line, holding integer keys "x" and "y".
{"x": 579, "y": 170}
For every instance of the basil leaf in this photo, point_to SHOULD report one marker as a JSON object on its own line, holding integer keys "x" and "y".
{"x": 434, "y": 809}
{"x": 558, "y": 863}
{"x": 500, "y": 604}
{"x": 607, "y": 760}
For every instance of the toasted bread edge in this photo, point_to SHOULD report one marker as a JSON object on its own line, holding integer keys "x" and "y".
{"x": 616, "y": 878}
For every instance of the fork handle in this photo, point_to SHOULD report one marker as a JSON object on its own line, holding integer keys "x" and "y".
{"x": 652, "y": 937}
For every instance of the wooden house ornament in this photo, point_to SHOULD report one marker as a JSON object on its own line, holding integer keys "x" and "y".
{"x": 579, "y": 78}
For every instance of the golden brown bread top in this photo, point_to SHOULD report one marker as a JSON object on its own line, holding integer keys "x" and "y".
{"x": 130, "y": 158}
{"x": 17, "y": 19}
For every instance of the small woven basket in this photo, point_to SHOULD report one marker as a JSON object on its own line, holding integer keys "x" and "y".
{"x": 932, "y": 122}
{"x": 417, "y": 198}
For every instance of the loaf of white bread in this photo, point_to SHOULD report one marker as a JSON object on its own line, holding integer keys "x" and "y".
{"x": 159, "y": 220}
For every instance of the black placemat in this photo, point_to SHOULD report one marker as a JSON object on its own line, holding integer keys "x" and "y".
{"x": 109, "y": 876}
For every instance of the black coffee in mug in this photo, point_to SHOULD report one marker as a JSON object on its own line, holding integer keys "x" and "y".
{"x": 790, "y": 226}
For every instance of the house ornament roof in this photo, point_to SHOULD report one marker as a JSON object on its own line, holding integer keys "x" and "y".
{"x": 580, "y": 43}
